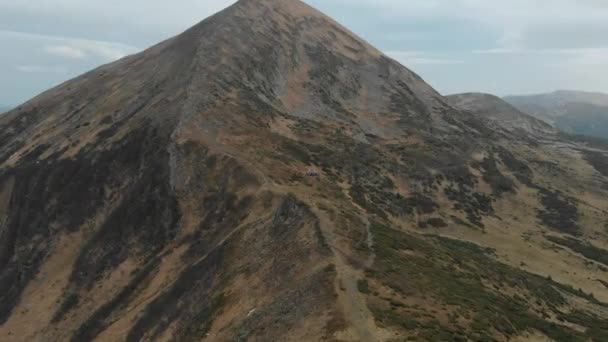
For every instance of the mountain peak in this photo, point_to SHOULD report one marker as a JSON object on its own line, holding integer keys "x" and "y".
{"x": 271, "y": 3}
{"x": 262, "y": 57}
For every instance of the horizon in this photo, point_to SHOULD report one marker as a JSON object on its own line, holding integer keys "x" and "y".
{"x": 456, "y": 46}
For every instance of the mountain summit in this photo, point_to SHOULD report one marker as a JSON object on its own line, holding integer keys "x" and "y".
{"x": 269, "y": 176}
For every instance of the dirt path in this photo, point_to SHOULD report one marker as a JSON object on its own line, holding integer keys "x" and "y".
{"x": 368, "y": 230}
{"x": 361, "y": 321}
{"x": 362, "y": 326}
{"x": 370, "y": 244}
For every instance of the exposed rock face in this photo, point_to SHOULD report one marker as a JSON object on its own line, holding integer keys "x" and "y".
{"x": 165, "y": 197}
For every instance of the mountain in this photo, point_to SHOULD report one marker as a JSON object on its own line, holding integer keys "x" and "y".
{"x": 571, "y": 111}
{"x": 4, "y": 109}
{"x": 269, "y": 176}
{"x": 500, "y": 112}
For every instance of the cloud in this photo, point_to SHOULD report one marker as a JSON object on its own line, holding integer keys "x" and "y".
{"x": 42, "y": 69}
{"x": 107, "y": 20}
{"x": 516, "y": 23}
{"x": 581, "y": 59}
{"x": 65, "y": 51}
{"x": 106, "y": 50}
{"x": 80, "y": 48}
{"x": 563, "y": 58}
{"x": 74, "y": 48}
{"x": 421, "y": 58}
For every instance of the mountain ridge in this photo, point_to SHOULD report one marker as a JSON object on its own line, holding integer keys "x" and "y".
{"x": 573, "y": 112}
{"x": 496, "y": 109}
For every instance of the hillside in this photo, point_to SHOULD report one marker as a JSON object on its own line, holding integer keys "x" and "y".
{"x": 269, "y": 176}
{"x": 570, "y": 111}
{"x": 495, "y": 109}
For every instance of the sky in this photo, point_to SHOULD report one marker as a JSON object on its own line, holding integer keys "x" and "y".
{"x": 500, "y": 47}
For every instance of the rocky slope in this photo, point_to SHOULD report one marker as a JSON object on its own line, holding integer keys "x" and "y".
{"x": 571, "y": 111}
{"x": 267, "y": 175}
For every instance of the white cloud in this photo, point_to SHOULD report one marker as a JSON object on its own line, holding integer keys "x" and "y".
{"x": 499, "y": 51}
{"x": 74, "y": 48}
{"x": 42, "y": 69}
{"x": 421, "y": 58}
{"x": 80, "y": 48}
{"x": 65, "y": 51}
{"x": 512, "y": 20}
{"x": 581, "y": 58}
{"x": 139, "y": 14}
{"x": 563, "y": 58}
{"x": 106, "y": 50}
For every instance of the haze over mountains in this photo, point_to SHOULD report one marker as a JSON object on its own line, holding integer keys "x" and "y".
{"x": 570, "y": 111}
{"x": 269, "y": 176}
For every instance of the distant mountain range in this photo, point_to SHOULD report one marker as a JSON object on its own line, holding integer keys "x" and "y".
{"x": 570, "y": 111}
{"x": 4, "y": 109}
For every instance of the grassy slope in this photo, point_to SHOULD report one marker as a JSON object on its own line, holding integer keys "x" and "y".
{"x": 467, "y": 294}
